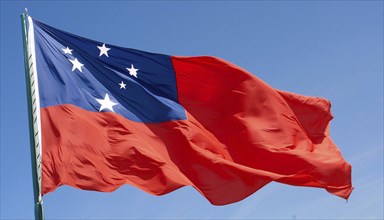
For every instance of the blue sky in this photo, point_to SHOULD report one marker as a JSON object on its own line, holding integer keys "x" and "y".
{"x": 332, "y": 49}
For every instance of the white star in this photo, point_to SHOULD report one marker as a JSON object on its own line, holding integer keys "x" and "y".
{"x": 103, "y": 50}
{"x": 76, "y": 64}
{"x": 106, "y": 103}
{"x": 67, "y": 51}
{"x": 132, "y": 71}
{"x": 122, "y": 85}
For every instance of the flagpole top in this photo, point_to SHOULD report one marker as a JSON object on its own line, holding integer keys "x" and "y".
{"x": 26, "y": 11}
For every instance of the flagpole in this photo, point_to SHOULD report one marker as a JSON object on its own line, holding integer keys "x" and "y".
{"x": 33, "y": 115}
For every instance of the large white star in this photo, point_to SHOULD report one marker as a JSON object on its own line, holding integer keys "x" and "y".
{"x": 76, "y": 64}
{"x": 103, "y": 50}
{"x": 122, "y": 85}
{"x": 106, "y": 103}
{"x": 67, "y": 51}
{"x": 132, "y": 71}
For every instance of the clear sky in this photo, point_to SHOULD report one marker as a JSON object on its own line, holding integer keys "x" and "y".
{"x": 332, "y": 49}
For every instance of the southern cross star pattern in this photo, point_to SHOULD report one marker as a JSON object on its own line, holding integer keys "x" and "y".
{"x": 100, "y": 77}
{"x": 105, "y": 103}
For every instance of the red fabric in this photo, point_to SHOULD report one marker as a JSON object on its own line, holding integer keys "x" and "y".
{"x": 240, "y": 135}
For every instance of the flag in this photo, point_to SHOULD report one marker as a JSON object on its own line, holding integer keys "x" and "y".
{"x": 112, "y": 116}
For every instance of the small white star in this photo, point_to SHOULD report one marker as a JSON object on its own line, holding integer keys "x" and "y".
{"x": 106, "y": 103}
{"x": 76, "y": 64}
{"x": 132, "y": 71}
{"x": 67, "y": 50}
{"x": 103, "y": 50}
{"x": 122, "y": 85}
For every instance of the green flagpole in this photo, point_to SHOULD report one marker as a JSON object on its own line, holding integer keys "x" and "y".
{"x": 33, "y": 127}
